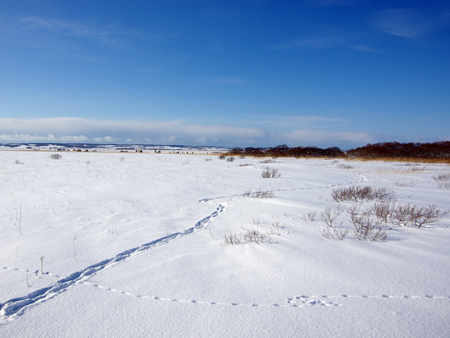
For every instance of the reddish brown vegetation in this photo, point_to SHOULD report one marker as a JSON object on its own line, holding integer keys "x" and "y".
{"x": 435, "y": 152}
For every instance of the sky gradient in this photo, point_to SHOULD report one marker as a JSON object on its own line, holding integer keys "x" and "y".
{"x": 225, "y": 73}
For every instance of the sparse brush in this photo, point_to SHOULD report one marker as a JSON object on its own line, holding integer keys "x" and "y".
{"x": 259, "y": 194}
{"x": 421, "y": 215}
{"x": 382, "y": 210}
{"x": 329, "y": 216}
{"x": 250, "y": 236}
{"x": 55, "y": 156}
{"x": 443, "y": 181}
{"x": 345, "y": 166}
{"x": 245, "y": 165}
{"x": 18, "y": 162}
{"x": 359, "y": 194}
{"x": 222, "y": 157}
{"x": 254, "y": 236}
{"x": 406, "y": 184}
{"x": 268, "y": 161}
{"x": 401, "y": 214}
{"x": 270, "y": 173}
{"x": 232, "y": 239}
{"x": 208, "y": 159}
{"x": 367, "y": 227}
{"x": 230, "y": 159}
{"x": 263, "y": 194}
{"x": 336, "y": 234}
{"x": 309, "y": 216}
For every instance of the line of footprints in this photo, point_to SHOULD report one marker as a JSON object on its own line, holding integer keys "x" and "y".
{"x": 298, "y": 301}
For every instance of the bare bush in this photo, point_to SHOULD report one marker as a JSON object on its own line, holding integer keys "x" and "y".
{"x": 345, "y": 166}
{"x": 263, "y": 194}
{"x": 443, "y": 181}
{"x": 359, "y": 194}
{"x": 270, "y": 173}
{"x": 422, "y": 215}
{"x": 230, "y": 159}
{"x": 222, "y": 157}
{"x": 337, "y": 234}
{"x": 254, "y": 236}
{"x": 309, "y": 216}
{"x": 329, "y": 215}
{"x": 367, "y": 227}
{"x": 276, "y": 228}
{"x": 406, "y": 184}
{"x": 55, "y": 156}
{"x": 250, "y": 236}
{"x": 18, "y": 162}
{"x": 208, "y": 159}
{"x": 405, "y": 214}
{"x": 268, "y": 161}
{"x": 382, "y": 210}
{"x": 400, "y": 214}
{"x": 232, "y": 239}
{"x": 259, "y": 194}
{"x": 245, "y": 165}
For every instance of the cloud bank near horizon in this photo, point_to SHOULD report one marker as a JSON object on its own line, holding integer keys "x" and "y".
{"x": 67, "y": 129}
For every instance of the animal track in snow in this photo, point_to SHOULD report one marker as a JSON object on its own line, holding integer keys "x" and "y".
{"x": 15, "y": 307}
{"x": 296, "y": 302}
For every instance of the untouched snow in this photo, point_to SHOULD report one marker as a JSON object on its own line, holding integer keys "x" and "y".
{"x": 132, "y": 245}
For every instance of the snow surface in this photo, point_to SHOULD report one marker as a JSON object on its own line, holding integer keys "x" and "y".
{"x": 132, "y": 245}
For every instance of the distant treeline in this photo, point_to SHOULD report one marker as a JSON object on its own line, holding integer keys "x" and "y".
{"x": 388, "y": 150}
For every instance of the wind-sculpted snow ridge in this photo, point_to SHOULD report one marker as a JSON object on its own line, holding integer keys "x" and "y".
{"x": 15, "y": 307}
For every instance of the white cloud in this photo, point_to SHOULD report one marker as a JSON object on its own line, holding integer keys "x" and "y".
{"x": 409, "y": 23}
{"x": 73, "y": 29}
{"x": 66, "y": 129}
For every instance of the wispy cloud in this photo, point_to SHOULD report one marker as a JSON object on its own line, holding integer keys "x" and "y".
{"x": 166, "y": 132}
{"x": 333, "y": 2}
{"x": 326, "y": 40}
{"x": 409, "y": 23}
{"x": 99, "y": 35}
{"x": 229, "y": 81}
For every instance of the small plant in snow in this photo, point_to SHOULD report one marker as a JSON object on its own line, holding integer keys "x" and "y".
{"x": 230, "y": 159}
{"x": 42, "y": 264}
{"x": 270, "y": 173}
{"x": 406, "y": 184}
{"x": 222, "y": 157}
{"x": 259, "y": 194}
{"x": 337, "y": 234}
{"x": 443, "y": 181}
{"x": 55, "y": 156}
{"x": 345, "y": 166}
{"x": 382, "y": 210}
{"x": 329, "y": 216}
{"x": 420, "y": 215}
{"x": 310, "y": 216}
{"x": 18, "y": 162}
{"x": 250, "y": 236}
{"x": 367, "y": 227}
{"x": 359, "y": 194}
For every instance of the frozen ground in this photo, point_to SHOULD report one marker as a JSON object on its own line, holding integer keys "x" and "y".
{"x": 132, "y": 245}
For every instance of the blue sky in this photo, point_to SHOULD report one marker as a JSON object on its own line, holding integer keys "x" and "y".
{"x": 227, "y": 73}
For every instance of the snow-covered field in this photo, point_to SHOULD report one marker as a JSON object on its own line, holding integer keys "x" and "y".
{"x": 132, "y": 245}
